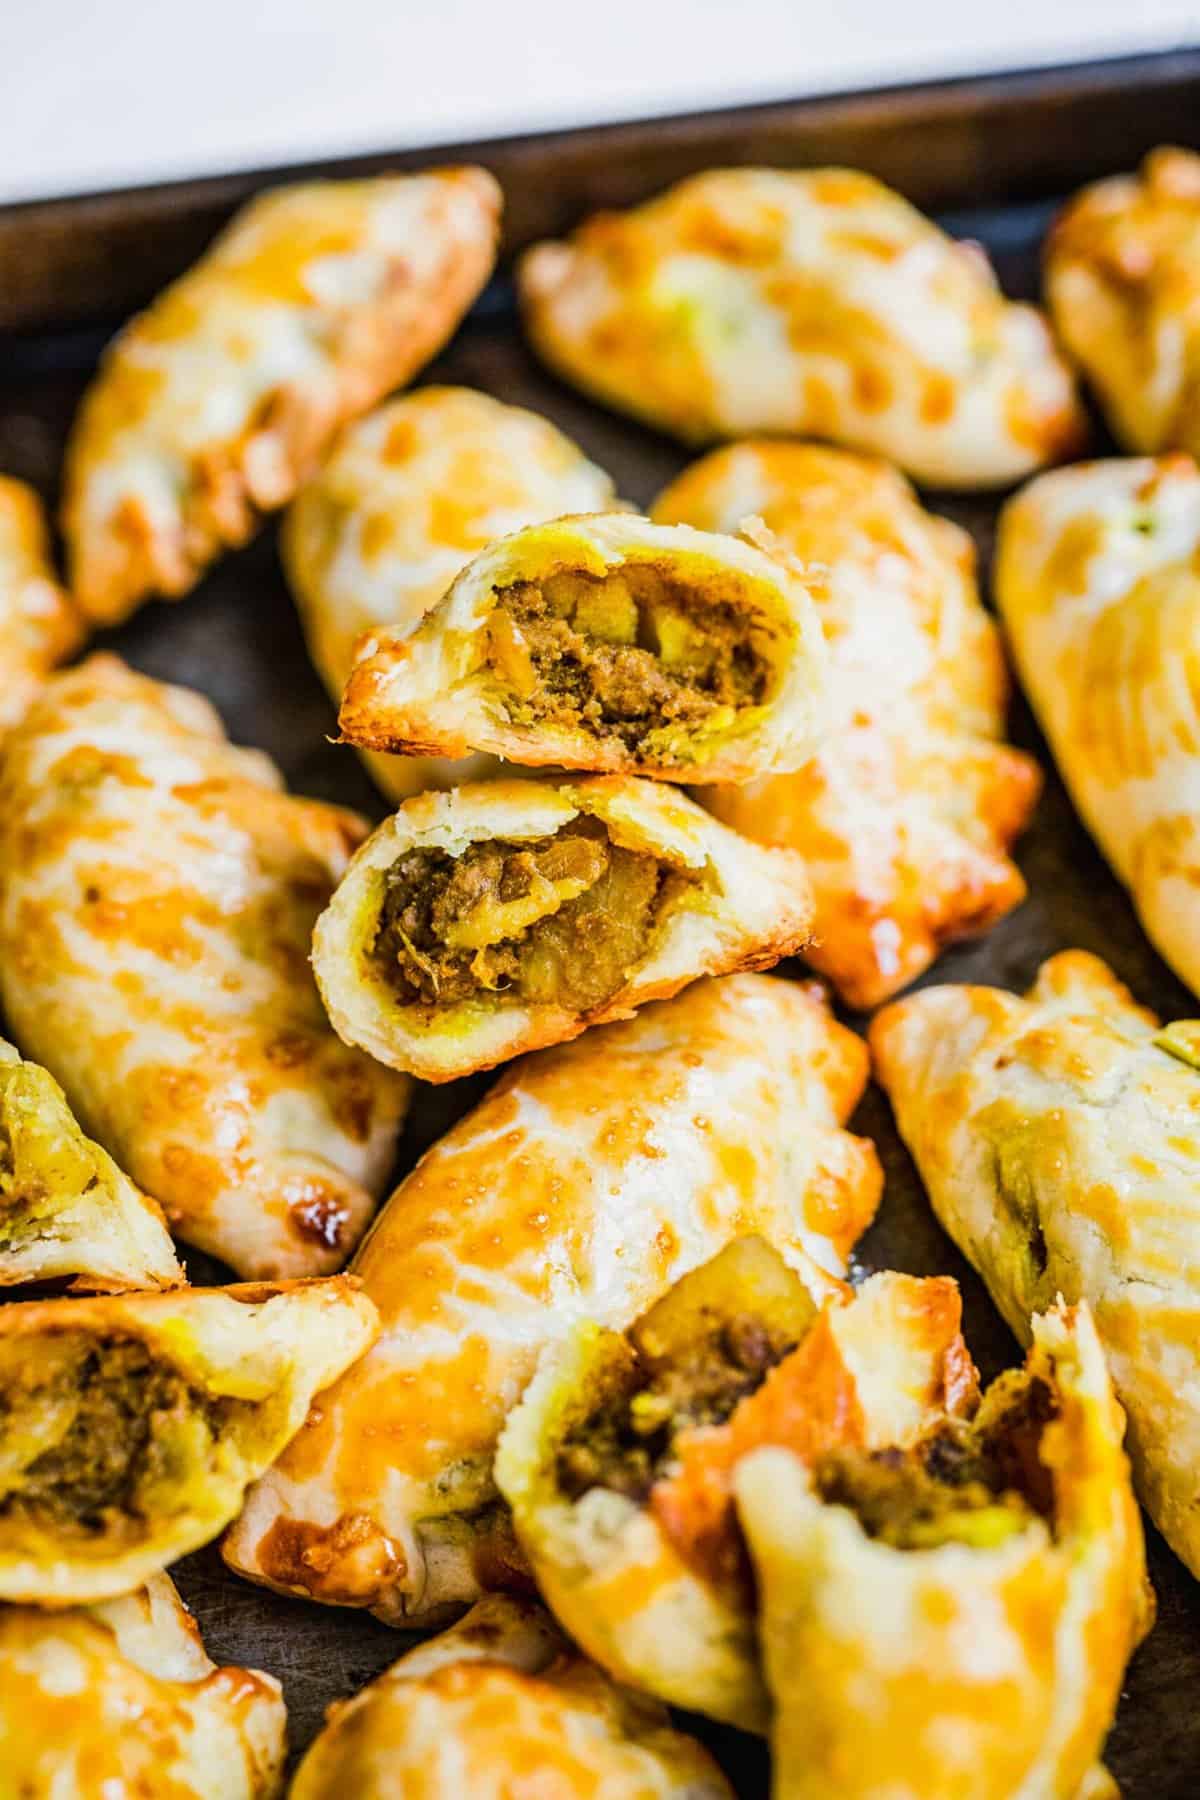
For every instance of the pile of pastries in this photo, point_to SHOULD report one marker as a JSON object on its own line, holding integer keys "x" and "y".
{"x": 592, "y": 1394}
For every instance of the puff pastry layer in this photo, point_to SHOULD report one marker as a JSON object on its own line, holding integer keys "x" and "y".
{"x": 213, "y": 405}
{"x": 39, "y": 626}
{"x": 906, "y": 812}
{"x": 500, "y": 1705}
{"x": 815, "y": 302}
{"x": 132, "y": 1424}
{"x": 157, "y": 896}
{"x": 588, "y": 1180}
{"x": 408, "y": 497}
{"x": 121, "y": 1700}
{"x": 1098, "y": 583}
{"x": 508, "y": 915}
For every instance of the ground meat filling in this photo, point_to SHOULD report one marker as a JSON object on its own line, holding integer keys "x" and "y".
{"x": 624, "y": 655}
{"x": 562, "y": 920}
{"x": 627, "y": 1442}
{"x": 116, "y": 1415}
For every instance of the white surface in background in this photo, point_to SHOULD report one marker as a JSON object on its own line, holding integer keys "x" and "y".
{"x": 104, "y": 93}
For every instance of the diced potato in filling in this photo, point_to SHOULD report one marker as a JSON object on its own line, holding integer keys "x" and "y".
{"x": 626, "y": 654}
{"x": 93, "y": 1431}
{"x": 561, "y": 920}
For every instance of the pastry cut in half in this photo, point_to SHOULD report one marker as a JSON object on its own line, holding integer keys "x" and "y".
{"x": 811, "y": 303}
{"x": 501, "y": 1705}
{"x": 906, "y": 812}
{"x": 1056, "y": 1135}
{"x": 1123, "y": 286}
{"x": 507, "y": 915}
{"x": 121, "y": 1699}
{"x": 620, "y": 1462}
{"x": 131, "y": 1425}
{"x": 955, "y": 1619}
{"x": 158, "y": 891}
{"x": 586, "y": 1182}
{"x": 213, "y": 405}
{"x": 66, "y": 1210}
{"x": 407, "y": 497}
{"x": 605, "y": 643}
{"x": 1098, "y": 582}
{"x": 39, "y": 625}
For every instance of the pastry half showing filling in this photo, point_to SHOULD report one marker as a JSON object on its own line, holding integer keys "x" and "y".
{"x": 67, "y": 1212}
{"x": 620, "y": 1462}
{"x": 501, "y": 1704}
{"x": 953, "y": 1614}
{"x": 508, "y": 915}
{"x": 604, "y": 643}
{"x": 130, "y": 1427}
{"x": 104, "y": 1700}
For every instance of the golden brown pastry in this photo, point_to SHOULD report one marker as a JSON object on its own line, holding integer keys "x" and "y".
{"x": 497, "y": 1707}
{"x": 39, "y": 626}
{"x": 1123, "y": 284}
{"x": 157, "y": 897}
{"x": 812, "y": 302}
{"x": 507, "y": 915}
{"x": 66, "y": 1210}
{"x": 955, "y": 1622}
{"x": 409, "y": 495}
{"x": 604, "y": 643}
{"x": 906, "y": 812}
{"x": 1056, "y": 1135}
{"x": 1098, "y": 582}
{"x": 620, "y": 1462}
{"x": 588, "y": 1180}
{"x": 120, "y": 1701}
{"x": 131, "y": 1425}
{"x": 213, "y": 405}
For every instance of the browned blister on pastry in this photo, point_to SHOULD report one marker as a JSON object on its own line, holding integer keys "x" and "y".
{"x": 587, "y": 1181}
{"x": 214, "y": 404}
{"x": 906, "y": 812}
{"x": 497, "y": 1706}
{"x": 131, "y": 1425}
{"x": 157, "y": 896}
{"x": 809, "y": 302}
{"x": 39, "y": 625}
{"x": 1123, "y": 284}
{"x": 507, "y": 915}
{"x": 122, "y": 1699}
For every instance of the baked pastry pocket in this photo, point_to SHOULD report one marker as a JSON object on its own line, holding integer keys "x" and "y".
{"x": 39, "y": 624}
{"x": 605, "y": 643}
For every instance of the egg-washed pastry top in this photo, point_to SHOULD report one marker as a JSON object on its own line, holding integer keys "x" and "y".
{"x": 605, "y": 643}
{"x": 498, "y": 1705}
{"x": 1123, "y": 285}
{"x": 407, "y": 498}
{"x": 132, "y": 1424}
{"x": 214, "y": 404}
{"x": 158, "y": 890}
{"x": 1057, "y": 1136}
{"x": 1098, "y": 581}
{"x": 121, "y": 1700}
{"x": 906, "y": 811}
{"x": 507, "y": 915}
{"x": 39, "y": 624}
{"x": 811, "y": 302}
{"x": 66, "y": 1210}
{"x": 955, "y": 1620}
{"x": 619, "y": 1463}
{"x": 587, "y": 1181}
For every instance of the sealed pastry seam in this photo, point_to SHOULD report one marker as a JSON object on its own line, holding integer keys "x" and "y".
{"x": 505, "y": 916}
{"x": 606, "y": 643}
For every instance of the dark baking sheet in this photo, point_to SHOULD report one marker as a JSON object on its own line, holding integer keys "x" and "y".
{"x": 237, "y": 639}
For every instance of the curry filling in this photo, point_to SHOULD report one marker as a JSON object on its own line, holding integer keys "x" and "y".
{"x": 562, "y": 920}
{"x": 97, "y": 1433}
{"x": 627, "y": 655}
